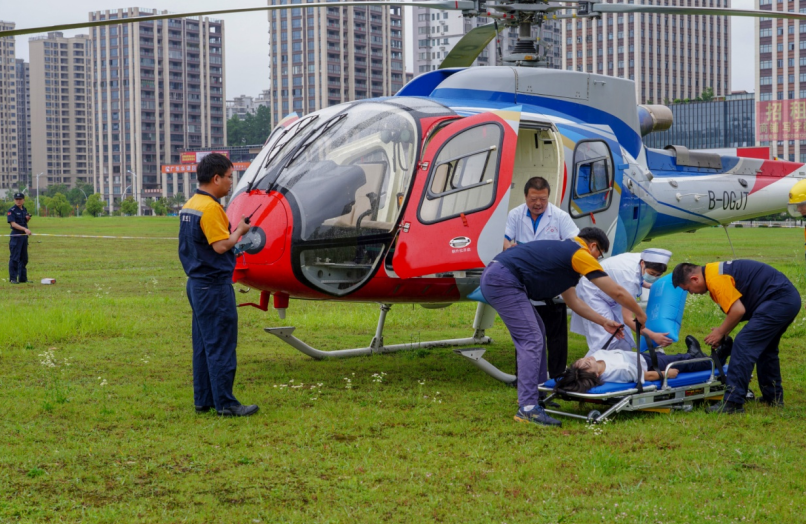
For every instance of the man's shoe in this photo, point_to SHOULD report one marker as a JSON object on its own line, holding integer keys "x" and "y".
{"x": 727, "y": 407}
{"x": 694, "y": 348}
{"x": 13, "y": 282}
{"x": 724, "y": 350}
{"x": 239, "y": 411}
{"x": 771, "y": 403}
{"x": 204, "y": 409}
{"x": 536, "y": 415}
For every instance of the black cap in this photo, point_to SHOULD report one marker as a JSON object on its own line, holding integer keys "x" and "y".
{"x": 18, "y": 195}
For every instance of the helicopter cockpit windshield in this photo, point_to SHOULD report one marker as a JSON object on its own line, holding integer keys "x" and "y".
{"x": 349, "y": 176}
{"x": 346, "y": 176}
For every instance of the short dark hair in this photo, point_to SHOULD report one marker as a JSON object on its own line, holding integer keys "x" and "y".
{"x": 656, "y": 266}
{"x": 682, "y": 272}
{"x": 212, "y": 165}
{"x": 537, "y": 183}
{"x": 576, "y": 380}
{"x": 594, "y": 234}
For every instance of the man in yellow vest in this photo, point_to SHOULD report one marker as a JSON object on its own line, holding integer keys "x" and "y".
{"x": 797, "y": 202}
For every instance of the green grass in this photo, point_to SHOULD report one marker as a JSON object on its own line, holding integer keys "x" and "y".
{"x": 109, "y": 434}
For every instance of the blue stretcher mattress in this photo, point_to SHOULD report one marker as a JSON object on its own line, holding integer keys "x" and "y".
{"x": 683, "y": 379}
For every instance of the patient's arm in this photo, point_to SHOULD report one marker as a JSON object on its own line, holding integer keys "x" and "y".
{"x": 654, "y": 375}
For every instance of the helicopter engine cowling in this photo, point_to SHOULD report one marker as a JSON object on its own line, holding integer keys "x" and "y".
{"x": 652, "y": 118}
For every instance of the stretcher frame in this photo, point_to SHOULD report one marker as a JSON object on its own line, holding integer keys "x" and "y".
{"x": 661, "y": 399}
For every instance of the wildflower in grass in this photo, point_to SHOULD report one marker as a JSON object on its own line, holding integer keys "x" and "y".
{"x": 349, "y": 383}
{"x": 48, "y": 358}
{"x": 103, "y": 382}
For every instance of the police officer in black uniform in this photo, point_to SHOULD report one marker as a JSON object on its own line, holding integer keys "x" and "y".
{"x": 18, "y": 218}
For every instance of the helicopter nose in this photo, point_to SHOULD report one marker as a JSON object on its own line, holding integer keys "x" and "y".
{"x": 265, "y": 241}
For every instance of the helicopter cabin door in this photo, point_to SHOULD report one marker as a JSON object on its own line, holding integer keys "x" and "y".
{"x": 457, "y": 212}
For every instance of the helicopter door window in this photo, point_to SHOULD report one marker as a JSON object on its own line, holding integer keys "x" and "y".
{"x": 593, "y": 178}
{"x": 464, "y": 173}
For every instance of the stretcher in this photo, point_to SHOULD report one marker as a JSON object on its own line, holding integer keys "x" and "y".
{"x": 662, "y": 396}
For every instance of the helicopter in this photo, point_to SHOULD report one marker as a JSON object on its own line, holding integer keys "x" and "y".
{"x": 404, "y": 199}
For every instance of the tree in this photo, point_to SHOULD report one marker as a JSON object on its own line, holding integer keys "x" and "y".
{"x": 253, "y": 129}
{"x": 60, "y": 205}
{"x": 94, "y": 205}
{"x": 235, "y": 130}
{"x": 56, "y": 188}
{"x": 159, "y": 206}
{"x": 76, "y": 195}
{"x": 128, "y": 206}
{"x": 707, "y": 94}
{"x": 262, "y": 125}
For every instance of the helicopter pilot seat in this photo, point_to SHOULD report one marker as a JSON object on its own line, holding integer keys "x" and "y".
{"x": 364, "y": 212}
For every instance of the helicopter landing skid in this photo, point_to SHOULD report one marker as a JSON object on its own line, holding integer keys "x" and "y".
{"x": 484, "y": 319}
{"x": 475, "y": 356}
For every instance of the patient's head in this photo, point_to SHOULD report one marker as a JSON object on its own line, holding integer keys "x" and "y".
{"x": 580, "y": 377}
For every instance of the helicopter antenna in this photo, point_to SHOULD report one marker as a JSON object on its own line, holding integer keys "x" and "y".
{"x": 725, "y": 227}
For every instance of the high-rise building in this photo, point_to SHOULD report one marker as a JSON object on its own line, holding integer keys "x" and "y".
{"x": 436, "y": 32}
{"x": 322, "y": 56}
{"x": 719, "y": 123}
{"x": 9, "y": 174}
{"x": 23, "y": 121}
{"x": 670, "y": 57}
{"x": 781, "y": 82}
{"x": 244, "y": 105}
{"x": 157, "y": 90}
{"x": 60, "y": 120}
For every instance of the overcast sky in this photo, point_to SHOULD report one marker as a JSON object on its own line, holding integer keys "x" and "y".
{"x": 246, "y": 44}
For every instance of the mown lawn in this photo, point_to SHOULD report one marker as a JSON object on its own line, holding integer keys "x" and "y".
{"x": 108, "y": 432}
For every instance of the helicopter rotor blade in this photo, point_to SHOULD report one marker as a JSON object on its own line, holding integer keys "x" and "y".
{"x": 470, "y": 46}
{"x": 598, "y": 8}
{"x": 452, "y": 5}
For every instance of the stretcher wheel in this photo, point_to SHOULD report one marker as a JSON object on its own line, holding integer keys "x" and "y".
{"x": 593, "y": 416}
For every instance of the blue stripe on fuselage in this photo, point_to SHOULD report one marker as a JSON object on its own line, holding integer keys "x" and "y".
{"x": 574, "y": 111}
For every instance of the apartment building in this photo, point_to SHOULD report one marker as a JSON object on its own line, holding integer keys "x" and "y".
{"x": 669, "y": 56}
{"x": 781, "y": 82}
{"x": 244, "y": 105}
{"x": 23, "y": 121}
{"x": 157, "y": 90}
{"x": 323, "y": 56}
{"x": 60, "y": 118}
{"x": 9, "y": 168}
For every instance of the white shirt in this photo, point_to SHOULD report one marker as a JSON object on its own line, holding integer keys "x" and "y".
{"x": 625, "y": 269}
{"x": 620, "y": 365}
{"x": 555, "y": 224}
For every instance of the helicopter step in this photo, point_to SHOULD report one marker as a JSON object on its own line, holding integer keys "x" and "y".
{"x": 485, "y": 315}
{"x": 475, "y": 355}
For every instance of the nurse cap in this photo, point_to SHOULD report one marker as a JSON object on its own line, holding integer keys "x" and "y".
{"x": 658, "y": 256}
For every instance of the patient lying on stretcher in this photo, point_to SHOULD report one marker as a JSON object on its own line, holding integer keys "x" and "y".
{"x": 616, "y": 365}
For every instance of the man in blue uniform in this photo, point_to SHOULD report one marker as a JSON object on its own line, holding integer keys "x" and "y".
{"x": 205, "y": 249}
{"x": 539, "y": 219}
{"x": 537, "y": 271}
{"x": 762, "y": 296}
{"x": 18, "y": 218}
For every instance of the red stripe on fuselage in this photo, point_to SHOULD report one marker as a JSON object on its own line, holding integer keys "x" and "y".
{"x": 771, "y": 171}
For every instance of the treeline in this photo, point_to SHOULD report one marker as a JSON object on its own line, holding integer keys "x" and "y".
{"x": 253, "y": 129}
{"x": 59, "y": 200}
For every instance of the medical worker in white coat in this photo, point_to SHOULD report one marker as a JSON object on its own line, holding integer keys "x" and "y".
{"x": 539, "y": 219}
{"x": 632, "y": 271}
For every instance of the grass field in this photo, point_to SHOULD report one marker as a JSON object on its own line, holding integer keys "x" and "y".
{"x": 99, "y": 425}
